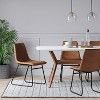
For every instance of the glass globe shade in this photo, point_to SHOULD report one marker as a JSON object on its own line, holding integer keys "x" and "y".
{"x": 71, "y": 17}
{"x": 91, "y": 17}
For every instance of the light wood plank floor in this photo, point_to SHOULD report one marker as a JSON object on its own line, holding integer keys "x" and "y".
{"x": 4, "y": 82}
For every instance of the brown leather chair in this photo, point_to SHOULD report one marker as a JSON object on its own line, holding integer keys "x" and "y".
{"x": 22, "y": 58}
{"x": 95, "y": 43}
{"x": 90, "y": 63}
{"x": 72, "y": 58}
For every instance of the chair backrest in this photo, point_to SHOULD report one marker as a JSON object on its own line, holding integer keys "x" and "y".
{"x": 91, "y": 60}
{"x": 74, "y": 43}
{"x": 53, "y": 56}
{"x": 70, "y": 55}
{"x": 95, "y": 43}
{"x": 20, "y": 52}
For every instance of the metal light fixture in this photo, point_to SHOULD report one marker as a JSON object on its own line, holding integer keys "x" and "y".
{"x": 91, "y": 16}
{"x": 71, "y": 17}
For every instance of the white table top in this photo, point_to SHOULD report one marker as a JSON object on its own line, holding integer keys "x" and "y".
{"x": 63, "y": 48}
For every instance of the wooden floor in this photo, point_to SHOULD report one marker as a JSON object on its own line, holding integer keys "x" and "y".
{"x": 4, "y": 82}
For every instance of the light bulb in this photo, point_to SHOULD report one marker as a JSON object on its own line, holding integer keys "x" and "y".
{"x": 91, "y": 17}
{"x": 71, "y": 17}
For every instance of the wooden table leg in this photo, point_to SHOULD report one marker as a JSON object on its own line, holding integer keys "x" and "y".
{"x": 53, "y": 68}
{"x": 52, "y": 75}
{"x": 51, "y": 72}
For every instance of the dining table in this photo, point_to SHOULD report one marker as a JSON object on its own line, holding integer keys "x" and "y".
{"x": 62, "y": 48}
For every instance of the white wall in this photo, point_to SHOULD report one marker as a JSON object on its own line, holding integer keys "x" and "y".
{"x": 49, "y": 16}
{"x": 46, "y": 20}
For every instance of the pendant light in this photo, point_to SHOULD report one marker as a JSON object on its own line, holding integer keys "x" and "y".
{"x": 71, "y": 17}
{"x": 91, "y": 16}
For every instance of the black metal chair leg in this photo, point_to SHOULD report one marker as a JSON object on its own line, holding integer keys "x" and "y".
{"x": 80, "y": 75}
{"x": 72, "y": 81}
{"x": 81, "y": 85}
{"x": 14, "y": 74}
{"x": 32, "y": 75}
{"x": 61, "y": 73}
{"x": 87, "y": 77}
{"x": 43, "y": 75}
{"x": 72, "y": 85}
{"x": 14, "y": 77}
{"x": 92, "y": 86}
{"x": 26, "y": 76}
{"x": 99, "y": 73}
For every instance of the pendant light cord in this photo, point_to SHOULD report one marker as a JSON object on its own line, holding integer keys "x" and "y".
{"x": 71, "y": 5}
{"x": 91, "y": 5}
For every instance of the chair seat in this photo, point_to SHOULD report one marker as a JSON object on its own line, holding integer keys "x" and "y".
{"x": 32, "y": 62}
{"x": 70, "y": 62}
{"x": 77, "y": 68}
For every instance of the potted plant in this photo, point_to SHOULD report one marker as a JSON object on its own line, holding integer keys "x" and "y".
{"x": 8, "y": 36}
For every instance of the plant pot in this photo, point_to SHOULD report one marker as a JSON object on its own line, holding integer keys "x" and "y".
{"x": 4, "y": 71}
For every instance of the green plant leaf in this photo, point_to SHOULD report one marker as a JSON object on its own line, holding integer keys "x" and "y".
{"x": 8, "y": 37}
